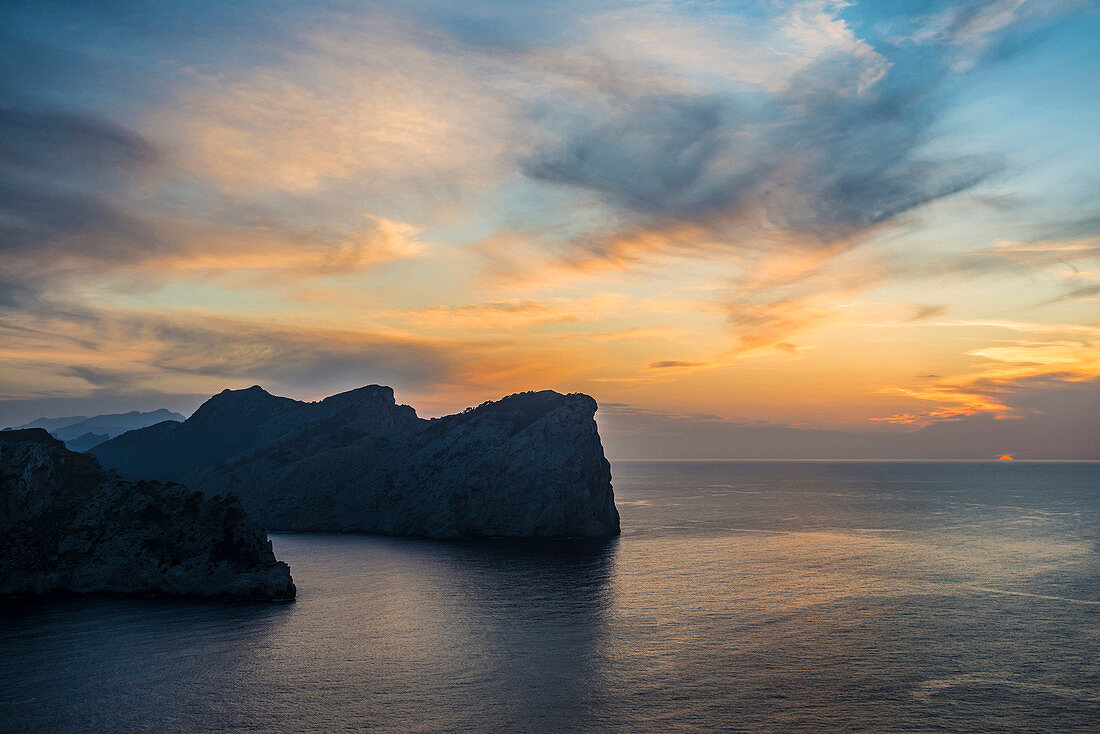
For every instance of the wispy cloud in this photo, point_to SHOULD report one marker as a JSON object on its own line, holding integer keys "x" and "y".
{"x": 509, "y": 314}
{"x": 116, "y": 349}
{"x": 1055, "y": 421}
{"x": 689, "y": 165}
{"x": 285, "y": 252}
{"x": 666, "y": 364}
{"x": 972, "y": 27}
{"x": 925, "y": 311}
{"x": 62, "y": 183}
{"x": 1056, "y": 354}
{"x": 364, "y": 99}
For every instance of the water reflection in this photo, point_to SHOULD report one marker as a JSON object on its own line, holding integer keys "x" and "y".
{"x": 761, "y": 597}
{"x": 530, "y": 619}
{"x": 390, "y": 634}
{"x": 414, "y": 635}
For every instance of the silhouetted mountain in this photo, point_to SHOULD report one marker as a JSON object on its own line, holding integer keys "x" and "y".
{"x": 78, "y": 431}
{"x": 530, "y": 465}
{"x": 51, "y": 424}
{"x": 68, "y": 526}
{"x": 86, "y": 441}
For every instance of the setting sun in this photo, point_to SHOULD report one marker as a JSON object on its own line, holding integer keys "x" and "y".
{"x": 1005, "y": 457}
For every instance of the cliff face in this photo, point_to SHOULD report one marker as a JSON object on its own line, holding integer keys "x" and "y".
{"x": 67, "y": 526}
{"x": 530, "y": 465}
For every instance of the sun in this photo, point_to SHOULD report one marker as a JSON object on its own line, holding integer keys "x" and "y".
{"x": 1005, "y": 457}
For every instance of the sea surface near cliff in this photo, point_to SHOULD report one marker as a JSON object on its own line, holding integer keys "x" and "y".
{"x": 754, "y": 596}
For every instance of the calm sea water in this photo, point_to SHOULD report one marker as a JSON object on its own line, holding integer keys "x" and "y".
{"x": 778, "y": 597}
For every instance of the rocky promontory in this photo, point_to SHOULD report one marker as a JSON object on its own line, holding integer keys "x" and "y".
{"x": 529, "y": 465}
{"x": 69, "y": 526}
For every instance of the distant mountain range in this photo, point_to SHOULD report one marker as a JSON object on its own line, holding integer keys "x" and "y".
{"x": 529, "y": 465}
{"x": 80, "y": 432}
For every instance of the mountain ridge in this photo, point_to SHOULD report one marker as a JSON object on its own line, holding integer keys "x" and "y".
{"x": 528, "y": 465}
{"x": 81, "y": 432}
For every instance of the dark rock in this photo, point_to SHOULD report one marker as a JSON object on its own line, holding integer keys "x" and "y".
{"x": 68, "y": 526}
{"x": 530, "y": 465}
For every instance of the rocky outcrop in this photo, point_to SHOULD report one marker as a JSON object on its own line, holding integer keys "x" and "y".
{"x": 68, "y": 526}
{"x": 530, "y": 465}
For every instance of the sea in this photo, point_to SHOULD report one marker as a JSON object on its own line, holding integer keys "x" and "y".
{"x": 741, "y": 597}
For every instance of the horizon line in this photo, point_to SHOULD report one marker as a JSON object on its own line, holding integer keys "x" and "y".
{"x": 938, "y": 461}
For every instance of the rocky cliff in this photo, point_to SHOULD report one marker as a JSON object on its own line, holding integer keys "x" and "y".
{"x": 530, "y": 465}
{"x": 68, "y": 526}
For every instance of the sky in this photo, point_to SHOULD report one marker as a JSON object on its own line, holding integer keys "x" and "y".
{"x": 784, "y": 228}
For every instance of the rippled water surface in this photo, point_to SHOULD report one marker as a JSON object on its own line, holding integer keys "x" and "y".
{"x": 785, "y": 597}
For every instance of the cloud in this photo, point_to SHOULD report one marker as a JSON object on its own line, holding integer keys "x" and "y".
{"x": 1039, "y": 253}
{"x": 1083, "y": 291}
{"x": 838, "y": 151}
{"x": 98, "y": 377}
{"x": 40, "y": 141}
{"x": 772, "y": 323}
{"x": 302, "y": 357}
{"x": 283, "y": 250}
{"x": 1056, "y": 356}
{"x": 62, "y": 176}
{"x": 1056, "y": 420}
{"x": 15, "y": 291}
{"x": 1071, "y": 265}
{"x": 832, "y": 155}
{"x": 112, "y": 349}
{"x": 666, "y": 118}
{"x": 672, "y": 364}
{"x": 673, "y": 45}
{"x": 73, "y": 209}
{"x": 926, "y": 311}
{"x": 509, "y": 314}
{"x": 783, "y": 294}
{"x": 220, "y": 158}
{"x": 972, "y": 27}
{"x": 367, "y": 100}
{"x": 88, "y": 202}
{"x": 654, "y": 156}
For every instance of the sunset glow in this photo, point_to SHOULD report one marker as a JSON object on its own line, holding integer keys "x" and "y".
{"x": 551, "y": 365}
{"x": 806, "y": 214}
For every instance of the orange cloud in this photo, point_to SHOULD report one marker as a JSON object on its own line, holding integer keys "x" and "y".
{"x": 197, "y": 352}
{"x": 293, "y": 253}
{"x": 672, "y": 364}
{"x": 368, "y": 98}
{"x": 987, "y": 390}
{"x": 510, "y": 313}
